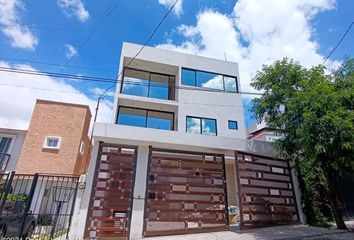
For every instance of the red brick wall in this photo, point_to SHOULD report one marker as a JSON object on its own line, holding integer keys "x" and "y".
{"x": 68, "y": 121}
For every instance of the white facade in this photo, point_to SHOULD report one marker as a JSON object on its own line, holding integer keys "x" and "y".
{"x": 11, "y": 153}
{"x": 189, "y": 101}
{"x": 222, "y": 106}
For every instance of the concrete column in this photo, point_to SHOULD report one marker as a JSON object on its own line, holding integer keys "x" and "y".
{"x": 297, "y": 195}
{"x": 137, "y": 219}
{"x": 78, "y": 223}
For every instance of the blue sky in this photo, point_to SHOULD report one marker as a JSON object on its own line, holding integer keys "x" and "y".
{"x": 54, "y": 28}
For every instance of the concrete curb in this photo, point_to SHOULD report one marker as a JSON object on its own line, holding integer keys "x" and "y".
{"x": 315, "y": 235}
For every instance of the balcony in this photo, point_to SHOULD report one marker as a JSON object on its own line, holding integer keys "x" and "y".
{"x": 148, "y": 84}
{"x": 146, "y": 118}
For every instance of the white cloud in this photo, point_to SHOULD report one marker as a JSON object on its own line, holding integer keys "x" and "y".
{"x": 257, "y": 32}
{"x": 168, "y": 4}
{"x": 74, "y": 7}
{"x": 70, "y": 51}
{"x": 19, "y": 34}
{"x": 17, "y": 103}
{"x": 99, "y": 91}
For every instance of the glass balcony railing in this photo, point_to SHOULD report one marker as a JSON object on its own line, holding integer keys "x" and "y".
{"x": 148, "y": 84}
{"x": 145, "y": 118}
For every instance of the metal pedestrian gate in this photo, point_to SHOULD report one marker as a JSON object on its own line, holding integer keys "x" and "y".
{"x": 36, "y": 206}
{"x": 186, "y": 192}
{"x": 112, "y": 193}
{"x": 266, "y": 192}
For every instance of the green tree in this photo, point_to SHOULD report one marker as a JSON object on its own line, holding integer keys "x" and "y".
{"x": 314, "y": 112}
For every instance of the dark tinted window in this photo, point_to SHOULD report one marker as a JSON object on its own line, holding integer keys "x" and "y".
{"x": 233, "y": 125}
{"x": 160, "y": 120}
{"x": 4, "y": 144}
{"x": 159, "y": 86}
{"x": 145, "y": 118}
{"x": 135, "y": 82}
{"x": 132, "y": 117}
{"x": 146, "y": 84}
{"x": 188, "y": 77}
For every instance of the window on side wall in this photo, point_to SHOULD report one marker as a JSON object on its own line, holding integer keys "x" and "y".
{"x": 233, "y": 125}
{"x": 51, "y": 142}
{"x": 205, "y": 126}
{"x": 82, "y": 148}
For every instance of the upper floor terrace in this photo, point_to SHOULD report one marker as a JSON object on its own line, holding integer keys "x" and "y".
{"x": 176, "y": 91}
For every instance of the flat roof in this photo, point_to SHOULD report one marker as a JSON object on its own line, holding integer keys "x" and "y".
{"x": 180, "y": 52}
{"x": 64, "y": 103}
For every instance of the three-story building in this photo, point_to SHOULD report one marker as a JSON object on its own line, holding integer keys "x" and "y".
{"x": 165, "y": 164}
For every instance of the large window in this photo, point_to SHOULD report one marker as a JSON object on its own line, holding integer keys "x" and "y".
{"x": 5, "y": 144}
{"x": 209, "y": 80}
{"x": 206, "y": 126}
{"x": 145, "y": 118}
{"x": 147, "y": 84}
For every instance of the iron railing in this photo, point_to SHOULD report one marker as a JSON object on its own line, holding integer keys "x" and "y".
{"x": 36, "y": 206}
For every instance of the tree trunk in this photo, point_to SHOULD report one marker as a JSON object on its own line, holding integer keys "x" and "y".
{"x": 332, "y": 197}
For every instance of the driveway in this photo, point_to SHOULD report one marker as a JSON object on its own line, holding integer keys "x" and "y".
{"x": 280, "y": 232}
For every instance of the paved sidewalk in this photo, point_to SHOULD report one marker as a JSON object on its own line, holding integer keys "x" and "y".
{"x": 292, "y": 232}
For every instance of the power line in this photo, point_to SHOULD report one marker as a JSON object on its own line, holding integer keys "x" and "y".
{"x": 57, "y": 75}
{"x": 93, "y": 94}
{"x": 46, "y": 89}
{"x": 111, "y": 80}
{"x": 120, "y": 74}
{"x": 339, "y": 42}
{"x": 55, "y": 64}
{"x": 93, "y": 32}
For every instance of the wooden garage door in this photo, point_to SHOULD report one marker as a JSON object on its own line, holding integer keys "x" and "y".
{"x": 266, "y": 192}
{"x": 112, "y": 193}
{"x": 186, "y": 192}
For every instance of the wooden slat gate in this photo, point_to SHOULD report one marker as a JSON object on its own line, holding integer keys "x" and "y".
{"x": 112, "y": 193}
{"x": 186, "y": 192}
{"x": 266, "y": 192}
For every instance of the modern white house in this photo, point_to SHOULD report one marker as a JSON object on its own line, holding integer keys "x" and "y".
{"x": 11, "y": 143}
{"x": 175, "y": 158}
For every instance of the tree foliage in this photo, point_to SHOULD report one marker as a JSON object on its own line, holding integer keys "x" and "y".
{"x": 314, "y": 112}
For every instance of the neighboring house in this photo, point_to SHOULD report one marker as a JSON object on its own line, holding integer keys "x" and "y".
{"x": 56, "y": 141}
{"x": 11, "y": 142}
{"x": 264, "y": 134}
{"x": 175, "y": 155}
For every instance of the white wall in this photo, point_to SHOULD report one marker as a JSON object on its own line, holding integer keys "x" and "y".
{"x": 78, "y": 224}
{"x": 221, "y": 106}
{"x": 128, "y": 135}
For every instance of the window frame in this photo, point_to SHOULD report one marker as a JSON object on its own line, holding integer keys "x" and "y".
{"x": 232, "y": 121}
{"x": 170, "y": 90}
{"x": 45, "y": 144}
{"x": 201, "y": 124}
{"x": 82, "y": 147}
{"x": 223, "y": 80}
{"x": 146, "y": 117}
